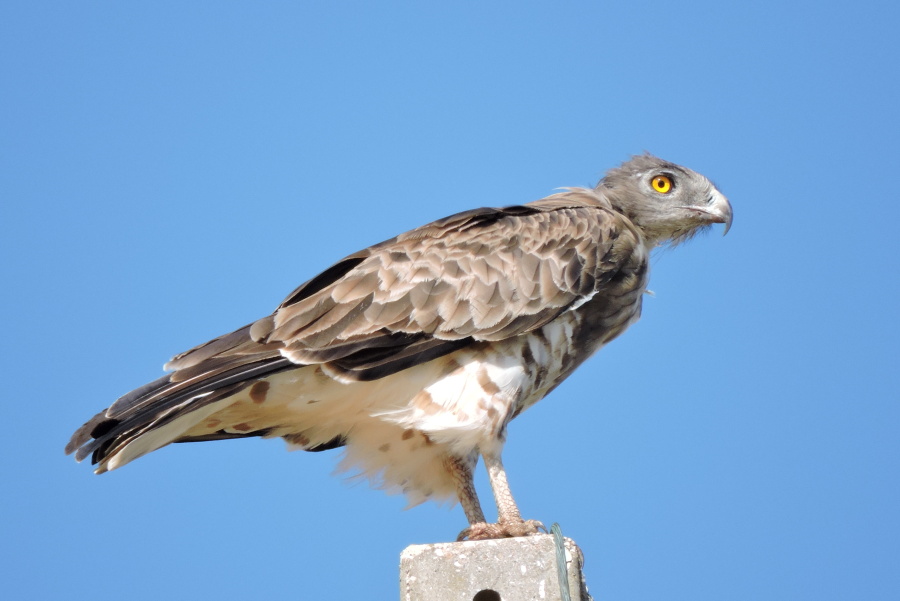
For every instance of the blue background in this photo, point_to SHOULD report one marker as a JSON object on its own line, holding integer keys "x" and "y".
{"x": 171, "y": 171}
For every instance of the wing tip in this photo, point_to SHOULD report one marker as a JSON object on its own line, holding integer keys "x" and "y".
{"x": 91, "y": 429}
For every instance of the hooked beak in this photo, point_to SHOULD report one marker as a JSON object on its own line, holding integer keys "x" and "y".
{"x": 717, "y": 210}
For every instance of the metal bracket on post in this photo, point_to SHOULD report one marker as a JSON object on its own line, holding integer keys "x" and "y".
{"x": 510, "y": 569}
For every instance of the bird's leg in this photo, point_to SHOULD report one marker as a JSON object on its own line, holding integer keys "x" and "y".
{"x": 462, "y": 472}
{"x": 509, "y": 520}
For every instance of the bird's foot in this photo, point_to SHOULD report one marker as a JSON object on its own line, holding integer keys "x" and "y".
{"x": 509, "y": 529}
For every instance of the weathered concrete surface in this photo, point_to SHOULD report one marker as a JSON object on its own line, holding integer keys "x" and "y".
{"x": 516, "y": 569}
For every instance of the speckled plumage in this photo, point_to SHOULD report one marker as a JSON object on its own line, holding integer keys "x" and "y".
{"x": 414, "y": 354}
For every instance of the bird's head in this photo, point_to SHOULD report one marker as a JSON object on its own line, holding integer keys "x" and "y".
{"x": 667, "y": 202}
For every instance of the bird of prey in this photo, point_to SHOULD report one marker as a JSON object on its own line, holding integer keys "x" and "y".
{"x": 414, "y": 354}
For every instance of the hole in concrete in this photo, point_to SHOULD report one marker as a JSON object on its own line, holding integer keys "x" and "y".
{"x": 486, "y": 595}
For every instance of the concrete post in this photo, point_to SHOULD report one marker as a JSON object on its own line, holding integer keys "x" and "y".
{"x": 511, "y": 569}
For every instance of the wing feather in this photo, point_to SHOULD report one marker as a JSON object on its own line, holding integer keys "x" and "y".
{"x": 468, "y": 276}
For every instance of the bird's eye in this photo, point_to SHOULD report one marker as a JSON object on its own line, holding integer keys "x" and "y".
{"x": 662, "y": 184}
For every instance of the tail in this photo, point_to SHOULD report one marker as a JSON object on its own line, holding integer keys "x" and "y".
{"x": 160, "y": 412}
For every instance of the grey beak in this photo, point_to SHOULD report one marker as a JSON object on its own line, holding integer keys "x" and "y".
{"x": 719, "y": 210}
{"x": 727, "y": 214}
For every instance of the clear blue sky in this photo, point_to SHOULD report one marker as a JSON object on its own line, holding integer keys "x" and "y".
{"x": 170, "y": 171}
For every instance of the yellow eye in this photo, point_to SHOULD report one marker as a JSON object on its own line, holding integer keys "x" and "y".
{"x": 662, "y": 184}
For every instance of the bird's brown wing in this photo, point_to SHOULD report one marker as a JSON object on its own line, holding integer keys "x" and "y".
{"x": 482, "y": 275}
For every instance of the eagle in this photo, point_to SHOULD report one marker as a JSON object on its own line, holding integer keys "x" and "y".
{"x": 415, "y": 354}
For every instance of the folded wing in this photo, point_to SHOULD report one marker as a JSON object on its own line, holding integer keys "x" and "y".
{"x": 482, "y": 275}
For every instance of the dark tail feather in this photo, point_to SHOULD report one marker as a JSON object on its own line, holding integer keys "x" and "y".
{"x": 159, "y": 403}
